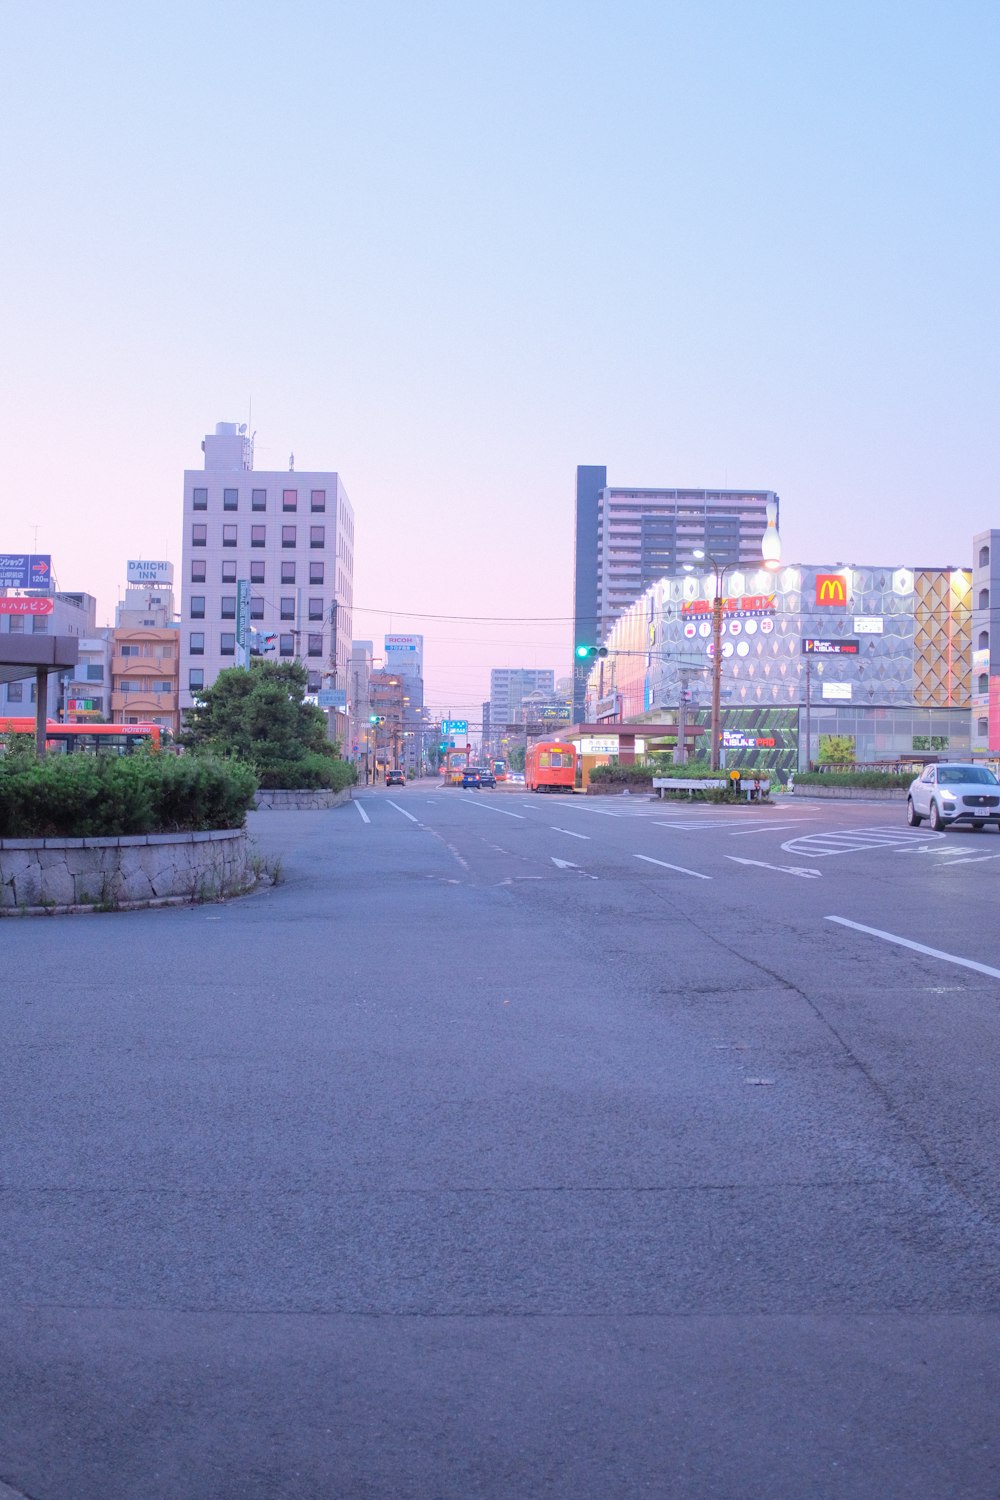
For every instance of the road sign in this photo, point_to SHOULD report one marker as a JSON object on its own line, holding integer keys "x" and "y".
{"x": 454, "y": 726}
{"x": 332, "y": 698}
{"x": 243, "y": 613}
{"x": 25, "y": 570}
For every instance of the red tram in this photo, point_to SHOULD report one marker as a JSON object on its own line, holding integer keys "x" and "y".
{"x": 550, "y": 766}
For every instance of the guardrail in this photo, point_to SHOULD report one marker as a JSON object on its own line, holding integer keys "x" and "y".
{"x": 753, "y": 790}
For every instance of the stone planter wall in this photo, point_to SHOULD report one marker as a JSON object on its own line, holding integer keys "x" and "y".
{"x": 53, "y": 875}
{"x": 852, "y": 793}
{"x": 278, "y": 800}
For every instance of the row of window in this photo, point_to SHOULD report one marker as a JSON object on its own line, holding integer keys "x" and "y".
{"x": 258, "y": 536}
{"x": 258, "y": 571}
{"x": 258, "y": 499}
{"x": 196, "y": 681}
{"x": 39, "y": 624}
{"x": 144, "y": 685}
{"x": 146, "y": 648}
{"x": 227, "y": 644}
{"x": 286, "y": 610}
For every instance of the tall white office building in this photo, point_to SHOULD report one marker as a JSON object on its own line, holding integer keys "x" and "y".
{"x": 509, "y": 687}
{"x": 291, "y": 537}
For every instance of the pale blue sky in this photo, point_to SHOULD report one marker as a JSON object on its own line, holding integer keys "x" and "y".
{"x": 454, "y": 250}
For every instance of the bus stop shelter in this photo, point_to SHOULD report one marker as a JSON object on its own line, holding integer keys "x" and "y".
{"x": 27, "y": 656}
{"x": 602, "y": 741}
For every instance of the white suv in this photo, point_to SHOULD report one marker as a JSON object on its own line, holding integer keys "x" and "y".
{"x": 950, "y": 794}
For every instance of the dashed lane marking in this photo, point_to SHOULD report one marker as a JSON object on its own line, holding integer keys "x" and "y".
{"x": 805, "y": 874}
{"x": 364, "y": 816}
{"x": 404, "y": 812}
{"x": 569, "y": 832}
{"x": 501, "y": 810}
{"x": 682, "y": 869}
{"x": 902, "y": 942}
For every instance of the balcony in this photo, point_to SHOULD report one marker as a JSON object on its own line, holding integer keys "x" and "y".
{"x": 149, "y": 666}
{"x": 143, "y": 703}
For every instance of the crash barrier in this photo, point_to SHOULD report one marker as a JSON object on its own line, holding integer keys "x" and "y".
{"x": 751, "y": 790}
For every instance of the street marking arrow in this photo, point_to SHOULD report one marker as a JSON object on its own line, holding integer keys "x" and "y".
{"x": 782, "y": 869}
{"x": 564, "y": 864}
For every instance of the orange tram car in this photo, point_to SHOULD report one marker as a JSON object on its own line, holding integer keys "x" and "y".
{"x": 550, "y": 766}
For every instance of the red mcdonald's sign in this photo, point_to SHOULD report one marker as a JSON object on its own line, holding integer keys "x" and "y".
{"x": 831, "y": 588}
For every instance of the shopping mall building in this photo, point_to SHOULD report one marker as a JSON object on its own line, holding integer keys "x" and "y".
{"x": 857, "y": 663}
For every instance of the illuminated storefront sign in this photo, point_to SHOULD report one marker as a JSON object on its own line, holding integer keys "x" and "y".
{"x": 26, "y": 606}
{"x": 733, "y": 739}
{"x": 831, "y": 588}
{"x": 742, "y": 606}
{"x": 811, "y": 646}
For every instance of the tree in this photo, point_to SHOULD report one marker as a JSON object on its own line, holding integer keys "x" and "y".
{"x": 259, "y": 716}
{"x": 516, "y": 758}
{"x": 836, "y": 749}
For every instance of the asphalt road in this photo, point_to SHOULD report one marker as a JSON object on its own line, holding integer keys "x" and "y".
{"x": 514, "y": 1146}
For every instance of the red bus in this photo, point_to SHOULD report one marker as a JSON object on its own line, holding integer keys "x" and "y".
{"x": 550, "y": 766}
{"x": 499, "y": 770}
{"x": 104, "y": 739}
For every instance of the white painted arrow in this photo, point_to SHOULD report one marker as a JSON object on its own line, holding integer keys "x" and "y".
{"x": 564, "y": 864}
{"x": 782, "y": 869}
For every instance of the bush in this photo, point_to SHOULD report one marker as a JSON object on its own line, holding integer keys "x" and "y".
{"x": 100, "y": 796}
{"x": 308, "y": 772}
{"x": 873, "y": 780}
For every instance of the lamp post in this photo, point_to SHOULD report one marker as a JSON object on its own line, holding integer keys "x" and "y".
{"x": 770, "y": 550}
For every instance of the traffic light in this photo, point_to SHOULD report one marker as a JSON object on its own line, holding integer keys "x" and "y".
{"x": 583, "y": 652}
{"x": 376, "y": 718}
{"x": 270, "y": 643}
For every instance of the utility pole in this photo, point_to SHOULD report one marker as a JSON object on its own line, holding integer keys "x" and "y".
{"x": 680, "y": 749}
{"x": 808, "y": 764}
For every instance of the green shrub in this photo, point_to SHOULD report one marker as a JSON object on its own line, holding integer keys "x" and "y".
{"x": 308, "y": 772}
{"x": 872, "y": 780}
{"x": 101, "y": 796}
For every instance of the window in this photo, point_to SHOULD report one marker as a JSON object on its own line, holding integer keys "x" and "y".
{"x": 15, "y": 692}
{"x": 40, "y": 624}
{"x": 984, "y": 598}
{"x": 227, "y": 643}
{"x": 196, "y": 643}
{"x": 315, "y": 645}
{"x": 288, "y": 536}
{"x": 197, "y": 611}
{"x": 256, "y": 572}
{"x": 984, "y": 683}
{"x": 258, "y": 536}
{"x": 16, "y": 625}
{"x": 229, "y": 606}
{"x": 288, "y": 572}
{"x": 286, "y": 645}
{"x": 32, "y": 695}
{"x": 317, "y": 499}
{"x": 984, "y": 640}
{"x": 315, "y": 682}
{"x": 199, "y": 499}
{"x": 198, "y": 566}
{"x": 287, "y": 608}
{"x": 130, "y": 651}
{"x": 164, "y": 653}
{"x": 95, "y": 673}
{"x": 258, "y": 499}
{"x": 256, "y": 608}
{"x": 984, "y": 557}
{"x": 289, "y": 499}
{"x": 196, "y": 678}
{"x": 229, "y": 572}
{"x": 984, "y": 729}
{"x": 230, "y": 499}
{"x": 162, "y": 685}
{"x": 316, "y": 609}
{"x": 317, "y": 536}
{"x": 199, "y": 534}
{"x": 229, "y": 536}
{"x": 315, "y": 572}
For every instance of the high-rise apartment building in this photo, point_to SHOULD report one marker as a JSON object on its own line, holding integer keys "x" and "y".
{"x": 290, "y": 536}
{"x": 628, "y": 538}
{"x": 509, "y": 686}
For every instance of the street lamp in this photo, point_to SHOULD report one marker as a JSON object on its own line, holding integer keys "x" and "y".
{"x": 771, "y": 560}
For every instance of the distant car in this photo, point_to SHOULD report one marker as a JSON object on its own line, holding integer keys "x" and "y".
{"x": 473, "y": 776}
{"x": 954, "y": 793}
{"x": 487, "y": 776}
{"x": 516, "y": 776}
{"x": 395, "y": 778}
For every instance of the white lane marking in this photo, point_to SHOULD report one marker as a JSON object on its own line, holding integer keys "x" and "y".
{"x": 570, "y": 832}
{"x": 855, "y": 841}
{"x": 364, "y": 815}
{"x": 744, "y": 831}
{"x": 404, "y": 812}
{"x": 973, "y": 859}
{"x": 761, "y": 864}
{"x": 891, "y": 937}
{"x": 564, "y": 864}
{"x": 501, "y": 810}
{"x": 681, "y": 868}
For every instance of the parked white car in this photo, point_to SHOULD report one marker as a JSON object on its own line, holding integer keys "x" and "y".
{"x": 948, "y": 794}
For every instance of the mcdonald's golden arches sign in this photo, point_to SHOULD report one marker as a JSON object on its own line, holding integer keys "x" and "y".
{"x": 831, "y": 588}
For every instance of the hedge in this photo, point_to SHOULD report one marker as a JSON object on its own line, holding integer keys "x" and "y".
{"x": 308, "y": 772}
{"x": 102, "y": 796}
{"x": 872, "y": 780}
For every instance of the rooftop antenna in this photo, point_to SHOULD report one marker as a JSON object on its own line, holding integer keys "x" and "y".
{"x": 291, "y": 463}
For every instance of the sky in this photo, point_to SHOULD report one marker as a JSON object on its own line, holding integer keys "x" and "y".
{"x": 453, "y": 250}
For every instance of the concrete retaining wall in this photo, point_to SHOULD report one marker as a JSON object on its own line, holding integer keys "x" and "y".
{"x": 278, "y": 800}
{"x": 66, "y": 874}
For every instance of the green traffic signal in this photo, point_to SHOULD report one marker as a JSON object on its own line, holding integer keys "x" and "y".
{"x": 583, "y": 652}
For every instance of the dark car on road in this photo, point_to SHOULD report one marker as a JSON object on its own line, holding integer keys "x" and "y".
{"x": 395, "y": 778}
{"x": 478, "y": 777}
